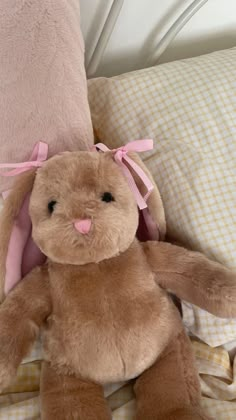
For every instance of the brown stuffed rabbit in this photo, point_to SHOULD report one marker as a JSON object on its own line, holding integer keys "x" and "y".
{"x": 101, "y": 298}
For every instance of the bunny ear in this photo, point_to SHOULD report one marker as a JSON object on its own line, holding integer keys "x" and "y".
{"x": 18, "y": 252}
{"x": 152, "y": 222}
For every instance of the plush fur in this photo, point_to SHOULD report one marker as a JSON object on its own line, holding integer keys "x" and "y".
{"x": 101, "y": 300}
{"x": 42, "y": 80}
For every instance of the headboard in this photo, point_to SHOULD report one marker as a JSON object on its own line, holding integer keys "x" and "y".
{"x": 106, "y": 31}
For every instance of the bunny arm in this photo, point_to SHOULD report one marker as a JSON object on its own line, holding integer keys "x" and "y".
{"x": 21, "y": 314}
{"x": 193, "y": 277}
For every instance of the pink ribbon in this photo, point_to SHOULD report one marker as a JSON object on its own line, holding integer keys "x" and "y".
{"x": 121, "y": 157}
{"x": 39, "y": 155}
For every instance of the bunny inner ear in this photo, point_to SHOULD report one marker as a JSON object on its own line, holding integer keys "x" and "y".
{"x": 32, "y": 256}
{"x": 21, "y": 257}
{"x": 147, "y": 229}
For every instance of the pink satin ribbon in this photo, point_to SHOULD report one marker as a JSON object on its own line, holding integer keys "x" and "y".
{"x": 39, "y": 155}
{"x": 121, "y": 157}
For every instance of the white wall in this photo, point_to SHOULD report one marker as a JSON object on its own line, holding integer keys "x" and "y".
{"x": 142, "y": 23}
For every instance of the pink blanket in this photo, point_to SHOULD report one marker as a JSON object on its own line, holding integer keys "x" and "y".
{"x": 43, "y": 89}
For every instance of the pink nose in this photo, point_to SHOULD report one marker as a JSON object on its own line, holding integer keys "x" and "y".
{"x": 83, "y": 226}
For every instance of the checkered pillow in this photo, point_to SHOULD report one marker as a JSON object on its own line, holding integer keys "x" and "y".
{"x": 189, "y": 108}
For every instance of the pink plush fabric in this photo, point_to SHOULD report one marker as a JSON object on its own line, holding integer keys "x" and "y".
{"x": 43, "y": 89}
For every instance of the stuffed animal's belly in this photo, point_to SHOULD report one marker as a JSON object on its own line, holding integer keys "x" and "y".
{"x": 113, "y": 345}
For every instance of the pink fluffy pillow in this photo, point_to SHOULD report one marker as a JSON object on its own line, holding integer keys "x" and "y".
{"x": 43, "y": 89}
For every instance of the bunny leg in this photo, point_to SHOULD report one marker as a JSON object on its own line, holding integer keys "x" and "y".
{"x": 70, "y": 398}
{"x": 170, "y": 389}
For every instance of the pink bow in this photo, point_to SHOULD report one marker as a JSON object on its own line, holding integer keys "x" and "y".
{"x": 39, "y": 155}
{"x": 120, "y": 156}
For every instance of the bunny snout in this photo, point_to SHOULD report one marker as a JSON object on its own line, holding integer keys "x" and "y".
{"x": 83, "y": 226}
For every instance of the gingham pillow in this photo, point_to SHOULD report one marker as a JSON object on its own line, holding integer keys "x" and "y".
{"x": 189, "y": 108}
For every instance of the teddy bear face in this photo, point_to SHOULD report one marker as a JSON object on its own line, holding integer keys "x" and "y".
{"x": 82, "y": 209}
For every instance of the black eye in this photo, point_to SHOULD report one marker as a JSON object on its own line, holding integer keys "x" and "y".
{"x": 51, "y": 206}
{"x": 107, "y": 197}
